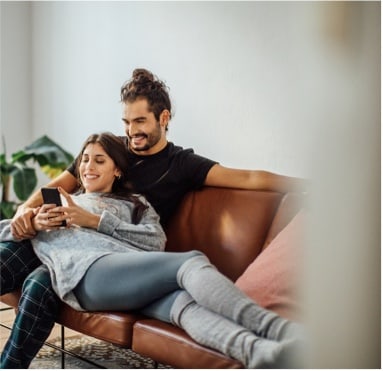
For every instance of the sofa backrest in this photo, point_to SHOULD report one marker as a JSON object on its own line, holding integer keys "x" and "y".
{"x": 230, "y": 226}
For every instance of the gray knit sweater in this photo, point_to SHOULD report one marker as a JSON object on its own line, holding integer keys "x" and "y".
{"x": 68, "y": 253}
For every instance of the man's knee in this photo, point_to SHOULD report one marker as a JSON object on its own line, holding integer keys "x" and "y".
{"x": 17, "y": 260}
{"x": 12, "y": 248}
{"x": 39, "y": 281}
{"x": 18, "y": 256}
{"x": 37, "y": 288}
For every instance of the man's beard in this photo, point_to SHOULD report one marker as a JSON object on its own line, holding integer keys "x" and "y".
{"x": 151, "y": 140}
{"x": 144, "y": 148}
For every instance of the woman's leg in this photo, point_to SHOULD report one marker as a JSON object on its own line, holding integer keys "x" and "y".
{"x": 200, "y": 279}
{"x": 215, "y": 331}
{"x": 161, "y": 308}
{"x": 130, "y": 281}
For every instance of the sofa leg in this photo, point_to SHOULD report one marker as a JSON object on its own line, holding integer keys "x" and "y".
{"x": 64, "y": 352}
{"x": 62, "y": 347}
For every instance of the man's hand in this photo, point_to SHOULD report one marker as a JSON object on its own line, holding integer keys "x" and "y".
{"x": 21, "y": 225}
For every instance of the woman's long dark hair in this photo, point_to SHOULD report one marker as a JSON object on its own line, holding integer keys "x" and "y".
{"x": 121, "y": 188}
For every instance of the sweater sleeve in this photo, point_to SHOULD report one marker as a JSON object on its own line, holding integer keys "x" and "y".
{"x": 5, "y": 231}
{"x": 147, "y": 235}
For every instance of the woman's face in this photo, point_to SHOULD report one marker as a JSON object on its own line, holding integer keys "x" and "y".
{"x": 97, "y": 170}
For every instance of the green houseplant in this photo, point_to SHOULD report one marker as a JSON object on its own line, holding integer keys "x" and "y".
{"x": 20, "y": 170}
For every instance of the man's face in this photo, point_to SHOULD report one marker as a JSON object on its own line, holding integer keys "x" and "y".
{"x": 146, "y": 135}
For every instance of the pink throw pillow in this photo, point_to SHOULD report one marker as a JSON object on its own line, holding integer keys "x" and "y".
{"x": 274, "y": 278}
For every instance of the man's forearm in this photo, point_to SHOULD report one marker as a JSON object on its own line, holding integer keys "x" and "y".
{"x": 33, "y": 201}
{"x": 65, "y": 180}
{"x": 220, "y": 176}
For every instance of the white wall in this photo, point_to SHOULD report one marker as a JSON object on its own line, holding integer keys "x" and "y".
{"x": 240, "y": 73}
{"x": 246, "y": 78}
{"x": 15, "y": 73}
{"x": 290, "y": 87}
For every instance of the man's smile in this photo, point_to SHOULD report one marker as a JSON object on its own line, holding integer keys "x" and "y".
{"x": 138, "y": 139}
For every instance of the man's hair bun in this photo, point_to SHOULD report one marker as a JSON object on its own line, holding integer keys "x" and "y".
{"x": 142, "y": 75}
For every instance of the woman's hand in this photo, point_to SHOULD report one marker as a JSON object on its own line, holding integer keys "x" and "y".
{"x": 44, "y": 219}
{"x": 74, "y": 214}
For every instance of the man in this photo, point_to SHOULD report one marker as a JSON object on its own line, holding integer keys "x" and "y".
{"x": 161, "y": 171}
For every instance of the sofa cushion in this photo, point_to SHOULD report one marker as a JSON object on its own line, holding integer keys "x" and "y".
{"x": 272, "y": 280}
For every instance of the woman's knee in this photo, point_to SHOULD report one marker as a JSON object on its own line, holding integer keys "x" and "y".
{"x": 197, "y": 255}
{"x": 192, "y": 269}
{"x": 193, "y": 253}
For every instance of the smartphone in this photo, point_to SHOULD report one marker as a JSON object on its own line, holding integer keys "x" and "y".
{"x": 51, "y": 195}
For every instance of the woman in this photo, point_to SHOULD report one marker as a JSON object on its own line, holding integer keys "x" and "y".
{"x": 108, "y": 258}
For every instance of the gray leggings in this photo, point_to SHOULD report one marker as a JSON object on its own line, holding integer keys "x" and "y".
{"x": 209, "y": 307}
{"x": 144, "y": 281}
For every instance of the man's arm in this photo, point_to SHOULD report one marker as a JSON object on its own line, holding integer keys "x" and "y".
{"x": 21, "y": 225}
{"x": 220, "y": 176}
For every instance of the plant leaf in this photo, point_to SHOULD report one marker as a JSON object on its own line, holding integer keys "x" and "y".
{"x": 50, "y": 171}
{"x": 3, "y": 159}
{"x": 51, "y": 157}
{"x": 24, "y": 181}
{"x": 6, "y": 169}
{"x": 46, "y": 152}
{"x": 7, "y": 209}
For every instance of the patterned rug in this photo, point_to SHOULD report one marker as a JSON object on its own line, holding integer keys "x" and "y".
{"x": 98, "y": 351}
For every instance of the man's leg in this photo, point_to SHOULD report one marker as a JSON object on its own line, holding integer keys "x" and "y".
{"x": 17, "y": 260}
{"x": 38, "y": 308}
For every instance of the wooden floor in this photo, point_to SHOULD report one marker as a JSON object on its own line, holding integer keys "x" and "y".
{"x": 7, "y": 317}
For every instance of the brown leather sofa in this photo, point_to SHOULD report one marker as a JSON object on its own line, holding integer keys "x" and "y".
{"x": 232, "y": 227}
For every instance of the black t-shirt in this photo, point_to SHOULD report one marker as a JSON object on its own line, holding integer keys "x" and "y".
{"x": 165, "y": 177}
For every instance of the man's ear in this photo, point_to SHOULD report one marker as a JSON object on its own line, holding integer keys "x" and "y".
{"x": 164, "y": 118}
